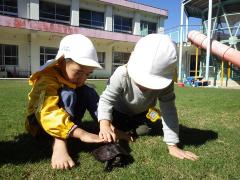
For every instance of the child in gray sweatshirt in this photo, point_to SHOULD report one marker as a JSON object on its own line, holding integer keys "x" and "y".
{"x": 135, "y": 87}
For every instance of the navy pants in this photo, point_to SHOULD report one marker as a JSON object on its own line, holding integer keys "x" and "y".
{"x": 127, "y": 123}
{"x": 77, "y": 101}
{"x": 137, "y": 124}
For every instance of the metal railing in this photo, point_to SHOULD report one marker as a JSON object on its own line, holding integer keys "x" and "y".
{"x": 174, "y": 32}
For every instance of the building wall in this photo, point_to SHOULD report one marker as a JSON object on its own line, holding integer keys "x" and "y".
{"x": 29, "y": 41}
{"x": 38, "y": 40}
{"x": 29, "y": 50}
{"x": 9, "y": 37}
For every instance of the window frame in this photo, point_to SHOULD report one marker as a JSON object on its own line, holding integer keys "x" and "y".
{"x": 149, "y": 31}
{"x": 3, "y": 55}
{"x": 54, "y": 12}
{"x": 91, "y": 19}
{"x": 103, "y": 58}
{"x": 122, "y": 25}
{"x": 5, "y": 8}
{"x": 45, "y": 54}
{"x": 124, "y": 57}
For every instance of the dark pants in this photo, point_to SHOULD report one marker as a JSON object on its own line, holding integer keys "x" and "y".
{"x": 137, "y": 124}
{"x": 77, "y": 101}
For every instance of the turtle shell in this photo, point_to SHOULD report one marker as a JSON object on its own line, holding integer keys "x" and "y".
{"x": 109, "y": 152}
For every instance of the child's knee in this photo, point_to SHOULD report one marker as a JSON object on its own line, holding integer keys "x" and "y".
{"x": 68, "y": 99}
{"x": 87, "y": 92}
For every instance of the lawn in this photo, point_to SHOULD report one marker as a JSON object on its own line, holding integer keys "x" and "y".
{"x": 209, "y": 126}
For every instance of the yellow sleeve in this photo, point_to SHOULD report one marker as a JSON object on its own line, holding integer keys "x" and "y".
{"x": 53, "y": 119}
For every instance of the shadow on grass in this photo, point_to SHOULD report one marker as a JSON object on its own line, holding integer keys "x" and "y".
{"x": 195, "y": 137}
{"x": 24, "y": 148}
{"x": 188, "y": 136}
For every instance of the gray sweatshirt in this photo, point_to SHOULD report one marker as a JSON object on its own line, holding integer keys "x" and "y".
{"x": 124, "y": 95}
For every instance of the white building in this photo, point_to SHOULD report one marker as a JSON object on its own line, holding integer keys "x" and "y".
{"x": 30, "y": 31}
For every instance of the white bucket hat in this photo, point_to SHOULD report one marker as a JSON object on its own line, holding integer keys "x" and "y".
{"x": 79, "y": 48}
{"x": 152, "y": 64}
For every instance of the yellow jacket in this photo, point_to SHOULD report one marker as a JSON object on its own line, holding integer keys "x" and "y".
{"x": 43, "y": 103}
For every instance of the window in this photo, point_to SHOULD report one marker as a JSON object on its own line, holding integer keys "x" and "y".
{"x": 193, "y": 65}
{"x": 120, "y": 58}
{"x": 235, "y": 72}
{"x": 8, "y": 55}
{"x": 101, "y": 58}
{"x": 53, "y": 12}
{"x": 147, "y": 28}
{"x": 91, "y": 19}
{"x": 122, "y": 24}
{"x": 47, "y": 53}
{"x": 8, "y": 7}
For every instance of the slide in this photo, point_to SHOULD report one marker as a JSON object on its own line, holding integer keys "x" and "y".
{"x": 223, "y": 51}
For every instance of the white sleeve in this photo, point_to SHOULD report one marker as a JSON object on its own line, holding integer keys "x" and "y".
{"x": 114, "y": 89}
{"x": 169, "y": 115}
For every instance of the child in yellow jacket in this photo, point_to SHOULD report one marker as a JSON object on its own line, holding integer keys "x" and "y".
{"x": 59, "y": 97}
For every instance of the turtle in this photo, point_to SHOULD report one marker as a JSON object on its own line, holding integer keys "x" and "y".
{"x": 112, "y": 155}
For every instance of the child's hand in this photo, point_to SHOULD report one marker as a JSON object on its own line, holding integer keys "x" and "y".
{"x": 181, "y": 154}
{"x": 107, "y": 131}
{"x": 86, "y": 136}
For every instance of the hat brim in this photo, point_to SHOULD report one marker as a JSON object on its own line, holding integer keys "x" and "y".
{"x": 88, "y": 62}
{"x": 83, "y": 61}
{"x": 147, "y": 80}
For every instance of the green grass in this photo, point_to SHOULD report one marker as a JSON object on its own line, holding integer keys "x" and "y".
{"x": 210, "y": 123}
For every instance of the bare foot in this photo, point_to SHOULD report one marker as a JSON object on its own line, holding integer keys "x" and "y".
{"x": 86, "y": 136}
{"x": 60, "y": 156}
